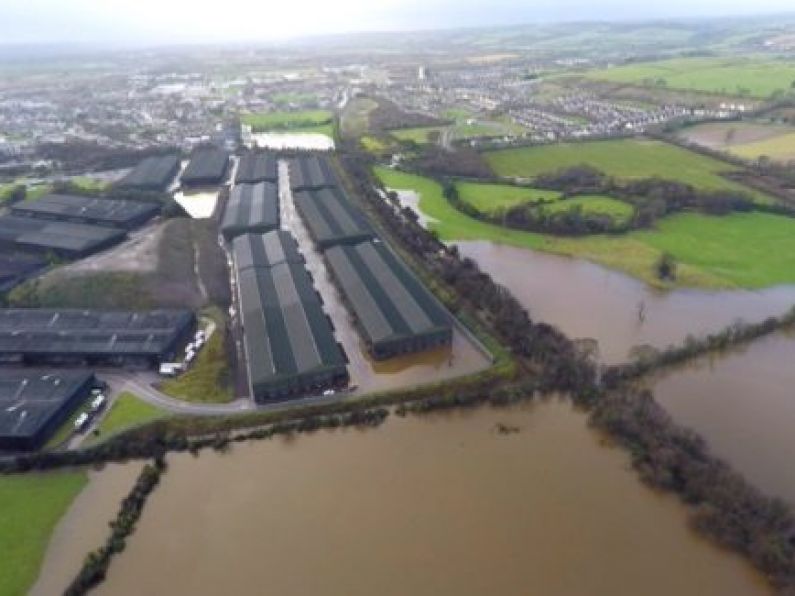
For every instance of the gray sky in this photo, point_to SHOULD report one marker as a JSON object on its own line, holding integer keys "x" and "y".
{"x": 159, "y": 21}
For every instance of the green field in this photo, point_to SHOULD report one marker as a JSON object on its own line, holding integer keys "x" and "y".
{"x": 127, "y": 411}
{"x": 625, "y": 159}
{"x": 618, "y": 211}
{"x": 30, "y": 507}
{"x": 307, "y": 121}
{"x": 728, "y": 76}
{"x": 493, "y": 197}
{"x": 741, "y": 250}
{"x": 462, "y": 128}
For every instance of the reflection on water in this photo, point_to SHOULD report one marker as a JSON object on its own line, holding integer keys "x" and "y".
{"x": 437, "y": 505}
{"x": 743, "y": 404}
{"x": 589, "y": 301}
{"x": 281, "y": 141}
{"x": 198, "y": 203}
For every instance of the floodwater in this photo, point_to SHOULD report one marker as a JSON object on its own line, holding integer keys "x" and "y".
{"x": 589, "y": 301}
{"x": 423, "y": 506}
{"x": 199, "y": 203}
{"x": 464, "y": 356}
{"x": 743, "y": 404}
{"x": 293, "y": 141}
{"x": 84, "y": 527}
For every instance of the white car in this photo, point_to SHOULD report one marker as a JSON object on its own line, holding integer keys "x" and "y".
{"x": 81, "y": 421}
{"x": 98, "y": 403}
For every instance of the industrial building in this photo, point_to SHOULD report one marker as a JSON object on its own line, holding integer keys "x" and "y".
{"x": 113, "y": 213}
{"x": 289, "y": 341}
{"x": 265, "y": 250}
{"x": 154, "y": 173}
{"x": 394, "y": 313}
{"x": 34, "y": 404}
{"x": 17, "y": 267}
{"x": 257, "y": 166}
{"x": 312, "y": 172}
{"x": 331, "y": 218}
{"x": 89, "y": 337}
{"x": 62, "y": 239}
{"x": 251, "y": 208}
{"x": 207, "y": 167}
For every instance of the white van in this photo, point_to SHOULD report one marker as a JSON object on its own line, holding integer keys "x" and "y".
{"x": 81, "y": 422}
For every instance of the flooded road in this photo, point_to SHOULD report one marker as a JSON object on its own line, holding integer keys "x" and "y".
{"x": 589, "y": 301}
{"x": 198, "y": 203}
{"x": 461, "y": 358}
{"x": 743, "y": 404}
{"x": 422, "y": 506}
{"x": 84, "y": 527}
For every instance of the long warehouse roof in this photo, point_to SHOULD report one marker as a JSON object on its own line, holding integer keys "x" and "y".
{"x": 29, "y": 232}
{"x": 251, "y": 208}
{"x": 265, "y": 250}
{"x": 286, "y": 331}
{"x": 153, "y": 173}
{"x": 113, "y": 212}
{"x": 257, "y": 166}
{"x": 311, "y": 172}
{"x": 206, "y": 166}
{"x": 52, "y": 331}
{"x": 388, "y": 300}
{"x": 331, "y": 217}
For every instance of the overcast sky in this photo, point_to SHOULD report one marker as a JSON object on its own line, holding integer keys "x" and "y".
{"x": 159, "y": 21}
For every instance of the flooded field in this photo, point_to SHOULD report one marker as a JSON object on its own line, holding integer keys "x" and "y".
{"x": 743, "y": 404}
{"x": 198, "y": 203}
{"x": 279, "y": 141}
{"x": 84, "y": 527}
{"x": 438, "y": 505}
{"x": 461, "y": 358}
{"x": 589, "y": 301}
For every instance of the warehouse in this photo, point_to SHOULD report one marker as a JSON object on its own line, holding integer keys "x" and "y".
{"x": 289, "y": 340}
{"x": 257, "y": 166}
{"x": 265, "y": 250}
{"x": 17, "y": 267}
{"x": 312, "y": 172}
{"x": 394, "y": 313}
{"x": 34, "y": 404}
{"x": 154, "y": 173}
{"x": 251, "y": 208}
{"x": 77, "y": 337}
{"x": 331, "y": 218}
{"x": 207, "y": 167}
{"x": 113, "y": 213}
{"x": 62, "y": 239}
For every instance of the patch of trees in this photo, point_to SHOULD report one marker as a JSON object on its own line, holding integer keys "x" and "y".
{"x": 462, "y": 162}
{"x": 389, "y": 116}
{"x": 96, "y": 564}
{"x": 83, "y": 156}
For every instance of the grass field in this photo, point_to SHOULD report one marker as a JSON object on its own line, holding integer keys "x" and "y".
{"x": 127, "y": 411}
{"x": 618, "y": 211}
{"x": 750, "y": 140}
{"x": 307, "y": 121}
{"x": 465, "y": 127}
{"x": 728, "y": 76}
{"x": 492, "y": 197}
{"x": 624, "y": 158}
{"x": 30, "y": 507}
{"x": 741, "y": 250}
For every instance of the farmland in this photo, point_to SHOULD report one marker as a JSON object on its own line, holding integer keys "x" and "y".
{"x": 750, "y": 140}
{"x": 728, "y": 76}
{"x": 492, "y": 197}
{"x": 308, "y": 121}
{"x": 465, "y": 127}
{"x": 618, "y": 211}
{"x": 741, "y": 250}
{"x": 30, "y": 507}
{"x": 624, "y": 159}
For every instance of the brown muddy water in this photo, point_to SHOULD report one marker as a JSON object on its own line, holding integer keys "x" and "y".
{"x": 589, "y": 301}
{"x": 743, "y": 404}
{"x": 84, "y": 527}
{"x": 436, "y": 505}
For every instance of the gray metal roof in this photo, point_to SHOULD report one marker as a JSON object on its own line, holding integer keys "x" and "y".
{"x": 29, "y": 398}
{"x": 113, "y": 212}
{"x": 206, "y": 166}
{"x": 311, "y": 172}
{"x": 387, "y": 299}
{"x": 265, "y": 250}
{"x": 331, "y": 217}
{"x": 67, "y": 237}
{"x": 153, "y": 173}
{"x": 257, "y": 167}
{"x": 286, "y": 331}
{"x": 251, "y": 208}
{"x": 89, "y": 332}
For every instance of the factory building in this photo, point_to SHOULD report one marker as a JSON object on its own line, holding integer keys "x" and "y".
{"x": 312, "y": 172}
{"x": 331, "y": 218}
{"x": 89, "y": 337}
{"x": 251, "y": 208}
{"x": 112, "y": 213}
{"x": 207, "y": 167}
{"x": 289, "y": 341}
{"x": 34, "y": 404}
{"x": 153, "y": 174}
{"x": 393, "y": 312}
{"x": 62, "y": 239}
{"x": 257, "y": 166}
